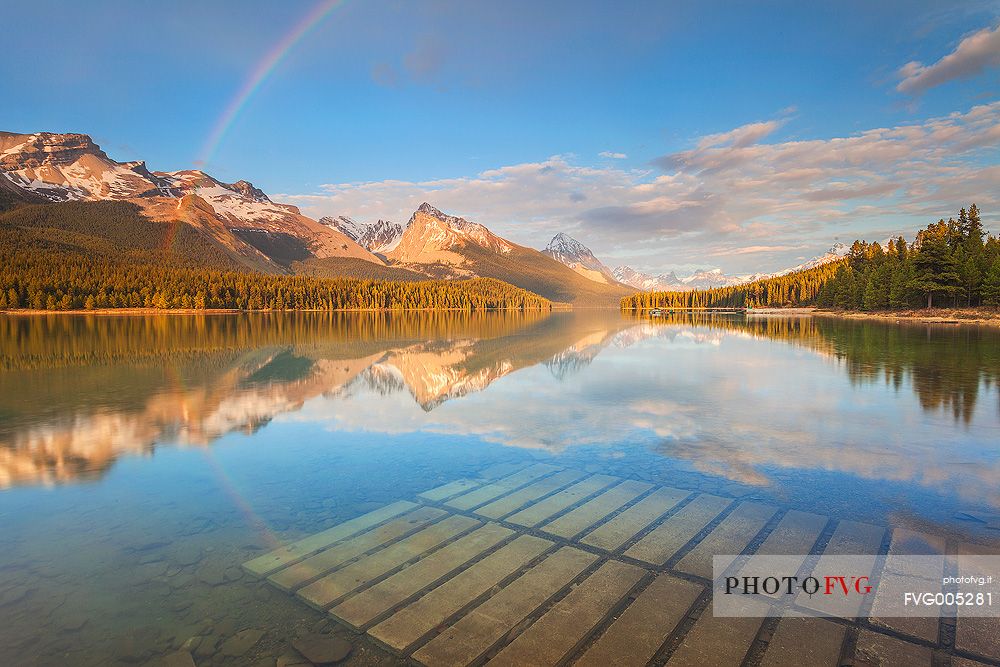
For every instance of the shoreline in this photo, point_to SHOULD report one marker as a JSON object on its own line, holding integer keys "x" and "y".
{"x": 984, "y": 316}
{"x": 235, "y": 311}
{"x": 981, "y": 316}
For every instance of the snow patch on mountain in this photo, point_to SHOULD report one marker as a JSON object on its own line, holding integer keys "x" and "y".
{"x": 345, "y": 225}
{"x": 378, "y": 237}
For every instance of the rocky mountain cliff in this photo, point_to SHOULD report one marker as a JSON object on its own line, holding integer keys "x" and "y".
{"x": 378, "y": 237}
{"x": 433, "y": 237}
{"x": 239, "y": 217}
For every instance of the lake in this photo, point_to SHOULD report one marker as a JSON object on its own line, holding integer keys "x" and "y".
{"x": 145, "y": 459}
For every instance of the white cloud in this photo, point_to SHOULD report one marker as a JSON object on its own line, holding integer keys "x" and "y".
{"x": 727, "y": 194}
{"x": 613, "y": 156}
{"x": 973, "y": 54}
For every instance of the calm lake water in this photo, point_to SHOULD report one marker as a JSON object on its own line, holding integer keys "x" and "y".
{"x": 144, "y": 459}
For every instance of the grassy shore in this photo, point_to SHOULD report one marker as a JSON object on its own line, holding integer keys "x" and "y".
{"x": 990, "y": 316}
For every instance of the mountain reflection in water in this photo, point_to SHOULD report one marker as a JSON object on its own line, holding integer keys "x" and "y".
{"x": 76, "y": 393}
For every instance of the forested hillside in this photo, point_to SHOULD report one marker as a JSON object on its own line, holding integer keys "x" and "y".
{"x": 98, "y": 255}
{"x": 794, "y": 289}
{"x": 951, "y": 263}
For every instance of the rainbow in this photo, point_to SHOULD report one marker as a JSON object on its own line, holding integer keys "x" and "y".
{"x": 263, "y": 69}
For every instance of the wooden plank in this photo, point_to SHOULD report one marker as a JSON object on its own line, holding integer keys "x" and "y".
{"x": 613, "y": 535}
{"x": 876, "y": 649}
{"x": 504, "y": 505}
{"x": 586, "y": 515}
{"x": 565, "y": 626}
{"x": 850, "y": 538}
{"x": 635, "y": 637}
{"x": 450, "y": 489}
{"x": 407, "y": 626}
{"x": 298, "y": 575}
{"x": 542, "y": 510}
{"x": 898, "y": 579}
{"x": 891, "y": 589}
{"x": 296, "y": 551}
{"x": 805, "y": 641}
{"x": 324, "y": 592}
{"x": 978, "y": 636}
{"x": 731, "y": 536}
{"x": 717, "y": 641}
{"x": 367, "y": 606}
{"x": 485, "y": 494}
{"x": 657, "y": 546}
{"x": 796, "y": 533}
{"x": 470, "y": 638}
{"x": 498, "y": 470}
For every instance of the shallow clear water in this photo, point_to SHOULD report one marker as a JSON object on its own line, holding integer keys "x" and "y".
{"x": 144, "y": 459}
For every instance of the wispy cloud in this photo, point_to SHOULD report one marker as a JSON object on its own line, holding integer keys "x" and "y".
{"x": 753, "y": 205}
{"x": 745, "y": 135}
{"x": 756, "y": 249}
{"x": 973, "y": 55}
{"x": 613, "y": 156}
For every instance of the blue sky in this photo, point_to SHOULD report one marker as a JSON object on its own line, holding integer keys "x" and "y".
{"x": 501, "y": 112}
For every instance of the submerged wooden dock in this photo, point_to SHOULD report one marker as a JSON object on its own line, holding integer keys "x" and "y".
{"x": 545, "y": 565}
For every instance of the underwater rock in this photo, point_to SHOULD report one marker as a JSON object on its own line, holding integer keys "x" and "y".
{"x": 187, "y": 555}
{"x": 293, "y": 661}
{"x": 212, "y": 574}
{"x": 15, "y": 594}
{"x": 73, "y": 622}
{"x": 241, "y": 642}
{"x": 322, "y": 649}
{"x": 178, "y": 659}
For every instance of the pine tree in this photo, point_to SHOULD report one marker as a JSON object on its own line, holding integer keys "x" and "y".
{"x": 971, "y": 280}
{"x": 991, "y": 285}
{"x": 935, "y": 269}
{"x": 973, "y": 231}
{"x": 871, "y": 298}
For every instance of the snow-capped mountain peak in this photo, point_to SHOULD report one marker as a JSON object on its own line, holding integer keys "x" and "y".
{"x": 566, "y": 249}
{"x": 430, "y": 231}
{"x": 565, "y": 246}
{"x": 379, "y": 237}
{"x": 648, "y": 282}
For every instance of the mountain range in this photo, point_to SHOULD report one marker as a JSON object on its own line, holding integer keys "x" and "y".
{"x": 236, "y": 225}
{"x": 581, "y": 259}
{"x": 710, "y": 278}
